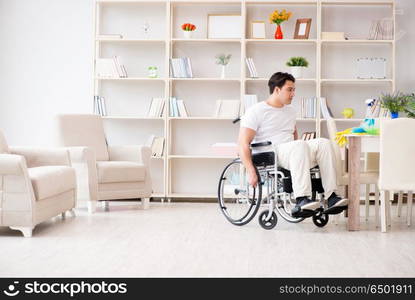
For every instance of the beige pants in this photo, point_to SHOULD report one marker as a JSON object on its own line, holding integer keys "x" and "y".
{"x": 300, "y": 156}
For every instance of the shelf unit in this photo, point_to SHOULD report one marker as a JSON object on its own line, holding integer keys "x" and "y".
{"x": 187, "y": 168}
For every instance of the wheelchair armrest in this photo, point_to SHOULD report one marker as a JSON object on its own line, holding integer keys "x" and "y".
{"x": 262, "y": 144}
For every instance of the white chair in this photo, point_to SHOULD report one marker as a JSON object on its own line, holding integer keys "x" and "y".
{"x": 369, "y": 176}
{"x": 36, "y": 184}
{"x": 114, "y": 172}
{"x": 397, "y": 163}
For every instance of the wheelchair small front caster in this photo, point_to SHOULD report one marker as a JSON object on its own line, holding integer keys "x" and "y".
{"x": 267, "y": 224}
{"x": 320, "y": 219}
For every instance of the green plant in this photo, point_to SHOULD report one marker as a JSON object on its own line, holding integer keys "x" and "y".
{"x": 223, "y": 59}
{"x": 395, "y": 102}
{"x": 410, "y": 106}
{"x": 297, "y": 62}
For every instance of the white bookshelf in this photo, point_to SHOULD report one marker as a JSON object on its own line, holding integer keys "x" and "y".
{"x": 188, "y": 169}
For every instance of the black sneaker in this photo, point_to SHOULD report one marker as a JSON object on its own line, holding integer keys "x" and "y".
{"x": 336, "y": 204}
{"x": 304, "y": 208}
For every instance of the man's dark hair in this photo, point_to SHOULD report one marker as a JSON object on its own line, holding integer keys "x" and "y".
{"x": 278, "y": 80}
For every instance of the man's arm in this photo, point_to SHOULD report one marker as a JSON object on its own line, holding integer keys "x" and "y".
{"x": 295, "y": 133}
{"x": 246, "y": 135}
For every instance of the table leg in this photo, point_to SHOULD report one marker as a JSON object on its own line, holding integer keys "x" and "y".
{"x": 354, "y": 183}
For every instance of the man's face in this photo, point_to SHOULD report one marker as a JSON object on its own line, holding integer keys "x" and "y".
{"x": 286, "y": 93}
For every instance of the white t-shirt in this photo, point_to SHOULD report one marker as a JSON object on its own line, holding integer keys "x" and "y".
{"x": 270, "y": 123}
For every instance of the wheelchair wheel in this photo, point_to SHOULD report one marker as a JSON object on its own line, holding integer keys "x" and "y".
{"x": 320, "y": 219}
{"x": 267, "y": 224}
{"x": 238, "y": 201}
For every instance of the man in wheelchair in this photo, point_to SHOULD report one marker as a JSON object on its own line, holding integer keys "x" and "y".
{"x": 274, "y": 120}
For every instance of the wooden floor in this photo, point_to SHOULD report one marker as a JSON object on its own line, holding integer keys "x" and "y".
{"x": 195, "y": 240}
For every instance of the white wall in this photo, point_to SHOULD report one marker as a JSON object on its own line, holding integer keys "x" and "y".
{"x": 46, "y": 49}
{"x": 45, "y": 65}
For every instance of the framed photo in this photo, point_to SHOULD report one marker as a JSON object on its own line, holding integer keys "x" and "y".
{"x": 302, "y": 28}
{"x": 258, "y": 30}
{"x": 224, "y": 26}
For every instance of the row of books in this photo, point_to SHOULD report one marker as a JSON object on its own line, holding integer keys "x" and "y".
{"x": 156, "y": 107}
{"x": 99, "y": 106}
{"x": 325, "y": 109}
{"x": 308, "y": 135}
{"x": 381, "y": 30}
{"x": 110, "y": 68}
{"x": 156, "y": 143}
{"x": 308, "y": 107}
{"x": 251, "y": 67}
{"x": 375, "y": 110}
{"x": 181, "y": 67}
{"x": 177, "y": 108}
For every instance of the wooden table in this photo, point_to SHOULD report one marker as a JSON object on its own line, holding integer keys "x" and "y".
{"x": 357, "y": 145}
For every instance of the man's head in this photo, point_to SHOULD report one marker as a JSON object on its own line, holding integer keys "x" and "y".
{"x": 282, "y": 87}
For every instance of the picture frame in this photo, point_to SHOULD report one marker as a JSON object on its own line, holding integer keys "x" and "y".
{"x": 302, "y": 28}
{"x": 224, "y": 26}
{"x": 258, "y": 29}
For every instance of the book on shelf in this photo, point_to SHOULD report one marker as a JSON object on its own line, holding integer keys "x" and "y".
{"x": 381, "y": 30}
{"x": 308, "y": 107}
{"x": 249, "y": 100}
{"x": 157, "y": 146}
{"x": 178, "y": 108}
{"x": 110, "y": 36}
{"x": 325, "y": 109}
{"x": 110, "y": 68}
{"x": 375, "y": 110}
{"x": 181, "y": 67}
{"x": 99, "y": 106}
{"x": 251, "y": 67}
{"x": 181, "y": 108}
{"x": 156, "y": 107}
{"x": 227, "y": 109}
{"x": 308, "y": 135}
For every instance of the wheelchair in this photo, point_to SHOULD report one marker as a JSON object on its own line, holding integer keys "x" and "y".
{"x": 240, "y": 202}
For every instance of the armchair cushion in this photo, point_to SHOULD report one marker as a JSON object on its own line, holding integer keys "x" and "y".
{"x": 4, "y": 148}
{"x": 51, "y": 180}
{"x": 120, "y": 171}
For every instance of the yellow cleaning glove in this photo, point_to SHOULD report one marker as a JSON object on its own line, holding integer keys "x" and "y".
{"x": 341, "y": 139}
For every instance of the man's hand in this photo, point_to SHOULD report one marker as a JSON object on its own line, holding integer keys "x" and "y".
{"x": 252, "y": 178}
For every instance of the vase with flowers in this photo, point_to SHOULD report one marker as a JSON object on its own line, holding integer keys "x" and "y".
{"x": 223, "y": 60}
{"x": 188, "y": 29}
{"x": 277, "y": 17}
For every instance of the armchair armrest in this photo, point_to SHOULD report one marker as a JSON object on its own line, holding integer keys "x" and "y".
{"x": 37, "y": 157}
{"x": 86, "y": 156}
{"x": 12, "y": 164}
{"x": 141, "y": 154}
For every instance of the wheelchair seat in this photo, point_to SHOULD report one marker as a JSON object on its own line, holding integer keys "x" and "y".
{"x": 266, "y": 159}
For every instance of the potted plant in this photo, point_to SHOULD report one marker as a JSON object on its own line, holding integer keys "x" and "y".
{"x": 410, "y": 106}
{"x": 277, "y": 17}
{"x": 395, "y": 102}
{"x": 223, "y": 60}
{"x": 188, "y": 28}
{"x": 297, "y": 65}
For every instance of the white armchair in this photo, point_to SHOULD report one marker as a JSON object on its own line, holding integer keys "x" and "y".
{"x": 36, "y": 184}
{"x": 114, "y": 172}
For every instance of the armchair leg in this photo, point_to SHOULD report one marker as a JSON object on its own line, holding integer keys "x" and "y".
{"x": 145, "y": 203}
{"x": 92, "y": 206}
{"x": 105, "y": 205}
{"x": 27, "y": 231}
{"x": 63, "y": 215}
